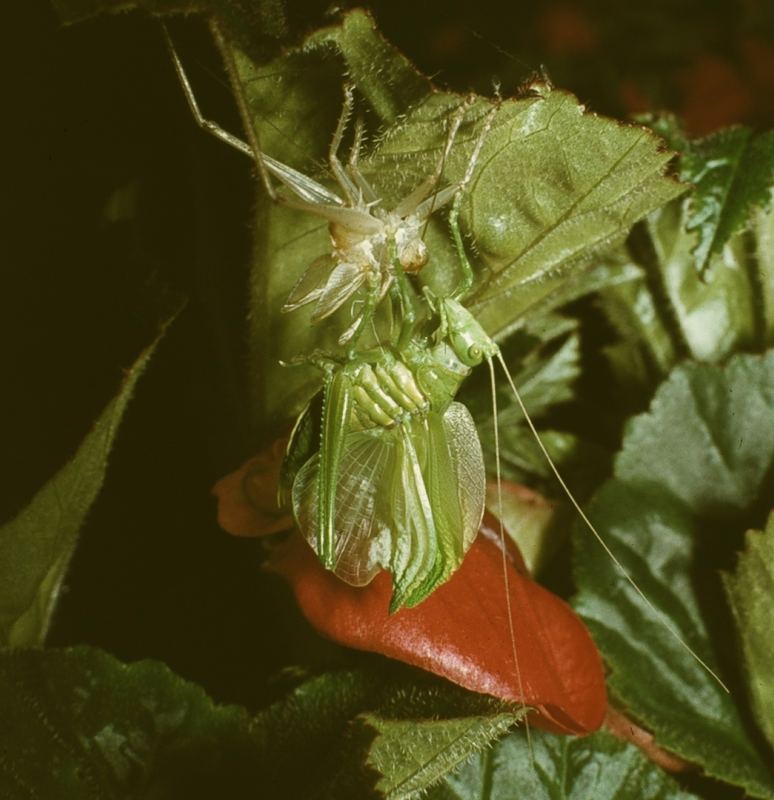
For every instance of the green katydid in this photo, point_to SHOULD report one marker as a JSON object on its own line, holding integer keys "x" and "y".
{"x": 388, "y": 412}
{"x": 396, "y": 399}
{"x": 398, "y": 481}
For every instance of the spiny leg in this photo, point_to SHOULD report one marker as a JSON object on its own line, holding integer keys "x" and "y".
{"x": 337, "y": 406}
{"x": 403, "y": 292}
{"x": 313, "y": 196}
{"x": 333, "y": 154}
{"x": 411, "y": 202}
{"x": 366, "y": 315}
{"x": 468, "y": 275}
{"x": 212, "y": 127}
{"x": 369, "y": 195}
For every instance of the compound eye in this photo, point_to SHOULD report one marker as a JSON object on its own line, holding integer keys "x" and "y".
{"x": 475, "y": 353}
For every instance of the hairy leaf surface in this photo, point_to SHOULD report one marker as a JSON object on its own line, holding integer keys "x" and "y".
{"x": 37, "y": 545}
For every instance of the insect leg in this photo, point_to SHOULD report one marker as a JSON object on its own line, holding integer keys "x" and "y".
{"x": 308, "y": 190}
{"x": 369, "y": 195}
{"x": 204, "y": 124}
{"x": 212, "y": 127}
{"x": 454, "y": 214}
{"x": 337, "y": 406}
{"x": 350, "y": 190}
{"x": 353, "y": 334}
{"x": 410, "y": 203}
{"x": 403, "y": 291}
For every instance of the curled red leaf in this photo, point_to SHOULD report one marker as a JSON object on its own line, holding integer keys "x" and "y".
{"x": 247, "y": 497}
{"x": 461, "y": 632}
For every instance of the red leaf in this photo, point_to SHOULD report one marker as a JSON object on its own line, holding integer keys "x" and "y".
{"x": 461, "y": 632}
{"x": 247, "y": 497}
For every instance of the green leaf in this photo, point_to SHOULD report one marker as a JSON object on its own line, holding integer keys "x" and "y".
{"x": 79, "y": 724}
{"x": 733, "y": 173}
{"x": 538, "y": 205}
{"x": 696, "y": 465}
{"x": 107, "y": 729}
{"x": 598, "y": 766}
{"x": 751, "y": 594}
{"x": 36, "y": 546}
{"x": 669, "y": 309}
{"x": 258, "y": 25}
{"x": 412, "y": 752}
{"x": 544, "y": 360}
{"x": 290, "y": 107}
{"x": 558, "y": 187}
{"x": 387, "y": 727}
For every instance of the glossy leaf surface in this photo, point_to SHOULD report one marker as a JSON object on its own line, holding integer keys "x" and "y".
{"x": 597, "y": 766}
{"x": 733, "y": 173}
{"x": 695, "y": 465}
{"x": 462, "y": 633}
{"x": 669, "y": 307}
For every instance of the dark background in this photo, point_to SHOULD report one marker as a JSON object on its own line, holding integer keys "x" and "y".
{"x": 115, "y": 208}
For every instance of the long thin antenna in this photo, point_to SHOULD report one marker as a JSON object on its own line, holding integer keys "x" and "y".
{"x": 664, "y": 621}
{"x": 506, "y": 579}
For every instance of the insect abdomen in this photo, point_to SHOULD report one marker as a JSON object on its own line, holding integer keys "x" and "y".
{"x": 385, "y": 395}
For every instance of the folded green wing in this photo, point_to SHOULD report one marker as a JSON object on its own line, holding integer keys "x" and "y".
{"x": 408, "y": 499}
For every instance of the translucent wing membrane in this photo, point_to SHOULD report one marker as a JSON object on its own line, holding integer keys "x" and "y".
{"x": 362, "y": 539}
{"x": 408, "y": 499}
{"x": 344, "y": 281}
{"x": 468, "y": 474}
{"x": 310, "y": 285}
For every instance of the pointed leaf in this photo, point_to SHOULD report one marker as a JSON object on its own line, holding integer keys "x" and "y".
{"x": 751, "y": 594}
{"x": 698, "y": 461}
{"x": 382, "y": 727}
{"x": 555, "y": 186}
{"x": 733, "y": 172}
{"x": 36, "y": 546}
{"x": 559, "y": 187}
{"x": 107, "y": 729}
{"x": 414, "y": 756}
{"x": 668, "y": 310}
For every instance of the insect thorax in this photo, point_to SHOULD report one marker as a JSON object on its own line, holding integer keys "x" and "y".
{"x": 378, "y": 237}
{"x": 399, "y": 387}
